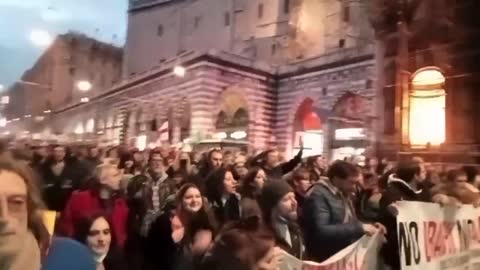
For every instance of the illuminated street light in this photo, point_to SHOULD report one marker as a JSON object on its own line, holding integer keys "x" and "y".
{"x": 84, "y": 86}
{"x": 47, "y": 111}
{"x": 84, "y": 100}
{"x": 41, "y": 38}
{"x": 28, "y": 116}
{"x": 179, "y": 71}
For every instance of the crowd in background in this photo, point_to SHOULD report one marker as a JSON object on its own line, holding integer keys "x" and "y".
{"x": 168, "y": 209}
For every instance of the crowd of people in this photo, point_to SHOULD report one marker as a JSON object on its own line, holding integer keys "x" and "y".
{"x": 168, "y": 209}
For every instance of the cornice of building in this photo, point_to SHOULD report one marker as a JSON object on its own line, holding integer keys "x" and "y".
{"x": 139, "y": 5}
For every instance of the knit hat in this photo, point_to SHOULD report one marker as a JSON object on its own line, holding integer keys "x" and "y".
{"x": 272, "y": 193}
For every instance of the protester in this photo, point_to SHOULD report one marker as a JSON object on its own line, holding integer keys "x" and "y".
{"x": 61, "y": 176}
{"x": 95, "y": 231}
{"x": 270, "y": 163}
{"x": 367, "y": 198}
{"x": 23, "y": 237}
{"x": 92, "y": 160}
{"x": 221, "y": 186}
{"x": 472, "y": 176}
{"x": 104, "y": 196}
{"x": 179, "y": 238}
{"x": 403, "y": 185}
{"x": 329, "y": 215}
{"x": 240, "y": 165}
{"x": 317, "y": 166}
{"x": 279, "y": 208}
{"x": 158, "y": 188}
{"x": 250, "y": 189}
{"x": 301, "y": 182}
{"x": 137, "y": 205}
{"x": 456, "y": 190}
{"x": 243, "y": 245}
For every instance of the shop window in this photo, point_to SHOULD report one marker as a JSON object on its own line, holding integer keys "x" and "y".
{"x": 427, "y": 108}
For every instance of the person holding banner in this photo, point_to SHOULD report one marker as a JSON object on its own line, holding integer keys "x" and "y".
{"x": 403, "y": 185}
{"x": 329, "y": 220}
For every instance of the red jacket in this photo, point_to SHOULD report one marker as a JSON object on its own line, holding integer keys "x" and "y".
{"x": 85, "y": 203}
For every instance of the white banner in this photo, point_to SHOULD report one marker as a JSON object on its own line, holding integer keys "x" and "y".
{"x": 361, "y": 255}
{"x": 438, "y": 238}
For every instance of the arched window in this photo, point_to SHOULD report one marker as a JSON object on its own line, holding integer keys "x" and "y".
{"x": 240, "y": 118}
{"x": 221, "y": 120}
{"x": 427, "y": 108}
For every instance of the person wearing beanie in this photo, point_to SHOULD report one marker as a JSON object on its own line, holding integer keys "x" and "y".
{"x": 279, "y": 209}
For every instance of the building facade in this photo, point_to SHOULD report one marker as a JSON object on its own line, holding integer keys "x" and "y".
{"x": 427, "y": 57}
{"x": 257, "y": 74}
{"x": 53, "y": 80}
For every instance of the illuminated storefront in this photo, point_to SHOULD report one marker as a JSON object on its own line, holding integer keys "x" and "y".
{"x": 308, "y": 126}
{"x": 349, "y": 128}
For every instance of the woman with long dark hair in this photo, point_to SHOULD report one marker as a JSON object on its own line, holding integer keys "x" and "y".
{"x": 250, "y": 189}
{"x": 179, "y": 237}
{"x": 221, "y": 189}
{"x": 95, "y": 231}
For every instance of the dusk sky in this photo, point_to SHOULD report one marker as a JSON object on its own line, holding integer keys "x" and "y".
{"x": 101, "y": 19}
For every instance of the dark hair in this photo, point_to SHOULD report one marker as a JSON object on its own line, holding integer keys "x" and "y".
{"x": 406, "y": 170}
{"x": 342, "y": 169}
{"x": 452, "y": 175}
{"x": 82, "y": 227}
{"x": 240, "y": 246}
{"x": 311, "y": 160}
{"x": 247, "y": 188}
{"x": 214, "y": 183}
{"x": 301, "y": 174}
{"x": 153, "y": 153}
{"x": 471, "y": 173}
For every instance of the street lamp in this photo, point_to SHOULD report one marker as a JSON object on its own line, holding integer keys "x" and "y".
{"x": 84, "y": 100}
{"x": 84, "y": 86}
{"x": 41, "y": 38}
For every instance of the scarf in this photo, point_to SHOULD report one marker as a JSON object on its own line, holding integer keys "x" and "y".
{"x": 27, "y": 257}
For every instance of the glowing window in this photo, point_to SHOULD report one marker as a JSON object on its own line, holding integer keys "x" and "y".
{"x": 427, "y": 108}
